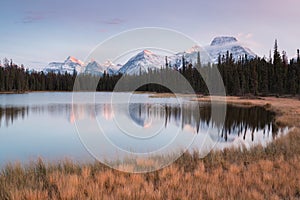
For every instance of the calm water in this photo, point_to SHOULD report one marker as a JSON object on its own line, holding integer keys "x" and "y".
{"x": 43, "y": 125}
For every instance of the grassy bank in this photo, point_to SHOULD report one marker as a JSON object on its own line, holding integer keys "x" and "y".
{"x": 257, "y": 173}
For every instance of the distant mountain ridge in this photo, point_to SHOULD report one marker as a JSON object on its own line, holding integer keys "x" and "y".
{"x": 147, "y": 60}
{"x": 222, "y": 40}
{"x": 143, "y": 62}
{"x": 220, "y": 46}
{"x": 68, "y": 66}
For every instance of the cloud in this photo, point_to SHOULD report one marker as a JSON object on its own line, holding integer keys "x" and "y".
{"x": 248, "y": 40}
{"x": 245, "y": 35}
{"x": 113, "y": 21}
{"x": 32, "y": 17}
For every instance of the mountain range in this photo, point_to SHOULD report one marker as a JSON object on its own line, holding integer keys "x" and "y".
{"x": 147, "y": 60}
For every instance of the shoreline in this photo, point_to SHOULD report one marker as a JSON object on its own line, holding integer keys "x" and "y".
{"x": 287, "y": 109}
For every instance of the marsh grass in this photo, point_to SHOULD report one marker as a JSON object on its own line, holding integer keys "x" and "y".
{"x": 257, "y": 173}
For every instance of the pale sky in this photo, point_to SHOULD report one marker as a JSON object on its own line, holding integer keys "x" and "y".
{"x": 35, "y": 32}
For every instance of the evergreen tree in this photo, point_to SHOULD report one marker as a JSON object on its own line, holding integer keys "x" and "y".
{"x": 166, "y": 64}
{"x": 183, "y": 64}
{"x": 278, "y": 68}
{"x": 198, "y": 64}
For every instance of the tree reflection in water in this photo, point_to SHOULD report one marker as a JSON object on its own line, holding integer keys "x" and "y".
{"x": 238, "y": 121}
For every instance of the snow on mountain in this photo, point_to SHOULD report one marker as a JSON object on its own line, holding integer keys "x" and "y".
{"x": 69, "y": 65}
{"x": 147, "y": 60}
{"x": 220, "y": 46}
{"x": 143, "y": 62}
{"x": 190, "y": 56}
{"x": 193, "y": 49}
{"x": 111, "y": 68}
{"x": 95, "y": 68}
{"x": 71, "y": 59}
{"x": 210, "y": 54}
{"x": 223, "y": 40}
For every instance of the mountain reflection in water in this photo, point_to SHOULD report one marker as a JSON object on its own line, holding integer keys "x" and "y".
{"x": 238, "y": 122}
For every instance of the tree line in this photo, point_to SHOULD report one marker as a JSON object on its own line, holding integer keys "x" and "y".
{"x": 259, "y": 76}
{"x": 14, "y": 78}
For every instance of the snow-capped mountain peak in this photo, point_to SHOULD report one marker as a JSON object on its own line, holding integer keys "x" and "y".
{"x": 147, "y": 52}
{"x": 111, "y": 68}
{"x": 95, "y": 68}
{"x": 74, "y": 60}
{"x": 143, "y": 62}
{"x": 195, "y": 48}
{"x": 223, "y": 40}
{"x": 108, "y": 63}
{"x": 220, "y": 46}
{"x": 70, "y": 65}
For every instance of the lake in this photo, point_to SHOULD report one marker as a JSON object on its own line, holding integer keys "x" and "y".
{"x": 49, "y": 125}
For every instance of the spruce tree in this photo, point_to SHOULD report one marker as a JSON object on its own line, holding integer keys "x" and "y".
{"x": 183, "y": 64}
{"x": 277, "y": 62}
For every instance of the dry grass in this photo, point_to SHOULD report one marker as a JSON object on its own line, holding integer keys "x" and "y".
{"x": 172, "y": 95}
{"x": 257, "y": 173}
